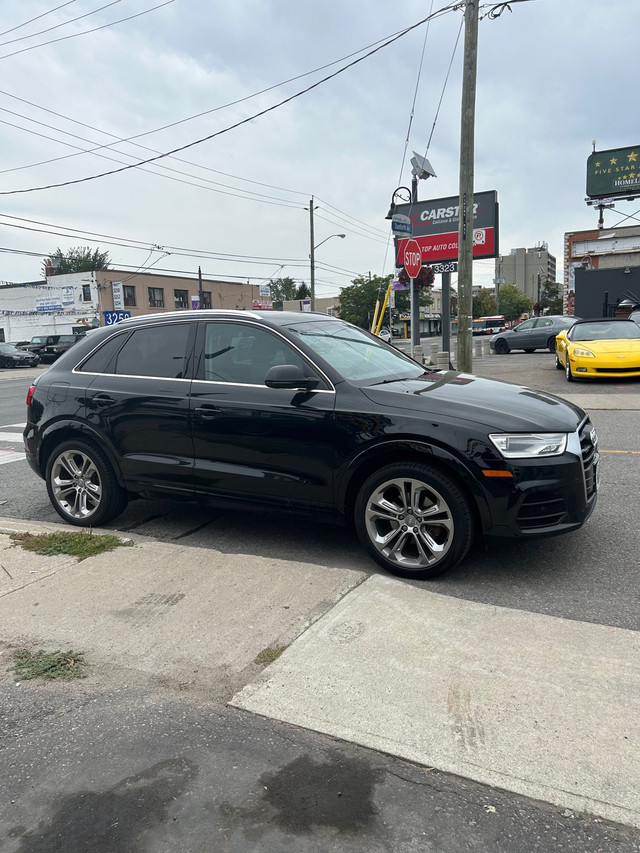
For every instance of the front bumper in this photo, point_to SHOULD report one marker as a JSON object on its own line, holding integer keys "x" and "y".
{"x": 548, "y": 497}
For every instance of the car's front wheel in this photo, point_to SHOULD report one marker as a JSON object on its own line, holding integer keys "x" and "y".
{"x": 567, "y": 370}
{"x": 551, "y": 343}
{"x": 82, "y": 485}
{"x": 502, "y": 347}
{"x": 414, "y": 520}
{"x": 559, "y": 365}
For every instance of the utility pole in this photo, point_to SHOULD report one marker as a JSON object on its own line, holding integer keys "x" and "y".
{"x": 312, "y": 256}
{"x": 200, "y": 293}
{"x": 465, "y": 229}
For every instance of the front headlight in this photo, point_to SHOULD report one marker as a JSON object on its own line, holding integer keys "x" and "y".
{"x": 529, "y": 445}
{"x": 580, "y": 352}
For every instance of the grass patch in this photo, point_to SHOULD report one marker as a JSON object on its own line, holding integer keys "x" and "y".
{"x": 80, "y": 545}
{"x": 267, "y": 656}
{"x": 64, "y": 665}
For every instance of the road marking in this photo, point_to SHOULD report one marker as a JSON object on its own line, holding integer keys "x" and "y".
{"x": 632, "y": 452}
{"x": 10, "y": 456}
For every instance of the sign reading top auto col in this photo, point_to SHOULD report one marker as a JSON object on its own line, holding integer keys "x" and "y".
{"x": 614, "y": 173}
{"x": 435, "y": 227}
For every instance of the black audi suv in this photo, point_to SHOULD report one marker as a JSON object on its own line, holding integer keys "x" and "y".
{"x": 283, "y": 411}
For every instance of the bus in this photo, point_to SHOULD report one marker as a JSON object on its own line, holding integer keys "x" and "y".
{"x": 484, "y": 325}
{"x": 489, "y": 325}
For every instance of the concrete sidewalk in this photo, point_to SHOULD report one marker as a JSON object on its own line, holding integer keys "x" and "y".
{"x": 532, "y": 704}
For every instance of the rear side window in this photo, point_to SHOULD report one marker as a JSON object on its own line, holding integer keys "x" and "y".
{"x": 158, "y": 351}
{"x": 101, "y": 359}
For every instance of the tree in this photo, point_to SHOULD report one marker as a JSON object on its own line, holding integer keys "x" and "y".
{"x": 285, "y": 290}
{"x": 551, "y": 298}
{"x": 358, "y": 300}
{"x": 512, "y": 302}
{"x": 484, "y": 303}
{"x": 80, "y": 259}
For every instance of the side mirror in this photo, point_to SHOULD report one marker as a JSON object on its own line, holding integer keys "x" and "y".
{"x": 289, "y": 377}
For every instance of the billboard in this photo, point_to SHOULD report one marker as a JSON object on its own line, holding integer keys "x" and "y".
{"x": 614, "y": 173}
{"x": 435, "y": 227}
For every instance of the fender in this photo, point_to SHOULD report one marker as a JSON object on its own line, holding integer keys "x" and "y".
{"x": 413, "y": 449}
{"x": 82, "y": 430}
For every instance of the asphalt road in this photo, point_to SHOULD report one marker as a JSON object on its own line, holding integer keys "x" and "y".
{"x": 111, "y": 764}
{"x": 590, "y": 575}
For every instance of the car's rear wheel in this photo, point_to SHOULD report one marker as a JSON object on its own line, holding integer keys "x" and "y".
{"x": 551, "y": 343}
{"x": 82, "y": 485}
{"x": 502, "y": 347}
{"x": 414, "y": 520}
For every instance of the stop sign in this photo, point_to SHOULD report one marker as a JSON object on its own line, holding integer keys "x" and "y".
{"x": 412, "y": 258}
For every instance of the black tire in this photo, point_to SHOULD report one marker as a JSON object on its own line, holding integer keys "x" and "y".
{"x": 502, "y": 347}
{"x": 567, "y": 370}
{"x": 438, "y": 532}
{"x": 558, "y": 363}
{"x": 82, "y": 486}
{"x": 6, "y": 363}
{"x": 530, "y": 350}
{"x": 551, "y": 343}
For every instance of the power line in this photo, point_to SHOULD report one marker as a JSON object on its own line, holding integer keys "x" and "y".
{"x": 63, "y": 24}
{"x": 242, "y": 121}
{"x": 86, "y": 32}
{"x": 37, "y": 18}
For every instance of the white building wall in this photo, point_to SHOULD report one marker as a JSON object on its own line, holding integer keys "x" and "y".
{"x": 55, "y": 306}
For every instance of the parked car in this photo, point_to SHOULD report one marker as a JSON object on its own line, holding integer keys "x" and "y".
{"x": 535, "y": 333}
{"x": 51, "y": 347}
{"x": 13, "y": 356}
{"x": 384, "y": 334}
{"x": 635, "y": 316}
{"x": 289, "y": 412}
{"x": 604, "y": 348}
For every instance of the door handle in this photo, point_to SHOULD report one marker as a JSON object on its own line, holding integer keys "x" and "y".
{"x": 102, "y": 400}
{"x": 207, "y": 410}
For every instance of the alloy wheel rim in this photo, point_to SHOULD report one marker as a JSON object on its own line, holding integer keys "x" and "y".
{"x": 76, "y": 484}
{"x": 409, "y": 523}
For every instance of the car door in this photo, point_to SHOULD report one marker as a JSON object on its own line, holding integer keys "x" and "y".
{"x": 521, "y": 338}
{"x": 253, "y": 443}
{"x": 541, "y": 333}
{"x": 139, "y": 403}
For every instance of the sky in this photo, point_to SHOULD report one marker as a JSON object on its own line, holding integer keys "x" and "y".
{"x": 552, "y": 77}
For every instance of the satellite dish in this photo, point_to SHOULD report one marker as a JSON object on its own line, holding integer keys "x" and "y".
{"x": 422, "y": 168}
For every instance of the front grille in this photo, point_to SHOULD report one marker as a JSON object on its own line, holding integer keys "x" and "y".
{"x": 589, "y": 452}
{"x": 618, "y": 369}
{"x": 542, "y": 509}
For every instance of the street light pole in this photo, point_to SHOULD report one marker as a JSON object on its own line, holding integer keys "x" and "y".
{"x": 312, "y": 257}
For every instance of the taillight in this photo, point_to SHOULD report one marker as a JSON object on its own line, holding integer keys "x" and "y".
{"x": 30, "y": 395}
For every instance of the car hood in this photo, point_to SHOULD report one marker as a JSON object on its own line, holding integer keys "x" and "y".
{"x": 463, "y": 396}
{"x": 627, "y": 345}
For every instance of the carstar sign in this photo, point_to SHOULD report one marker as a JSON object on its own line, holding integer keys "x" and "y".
{"x": 435, "y": 228}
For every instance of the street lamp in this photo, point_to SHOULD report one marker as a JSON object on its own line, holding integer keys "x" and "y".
{"x": 392, "y": 207}
{"x": 312, "y": 257}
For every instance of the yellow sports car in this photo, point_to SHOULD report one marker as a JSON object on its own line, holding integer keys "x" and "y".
{"x": 597, "y": 349}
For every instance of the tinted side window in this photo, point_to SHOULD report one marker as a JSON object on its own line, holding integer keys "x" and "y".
{"x": 243, "y": 354}
{"x": 100, "y": 360}
{"x": 158, "y": 351}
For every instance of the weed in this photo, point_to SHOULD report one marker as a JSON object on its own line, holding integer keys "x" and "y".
{"x": 267, "y": 656}
{"x": 65, "y": 665}
{"x": 80, "y": 545}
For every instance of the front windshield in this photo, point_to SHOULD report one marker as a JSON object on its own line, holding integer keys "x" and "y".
{"x": 605, "y": 331}
{"x": 354, "y": 354}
